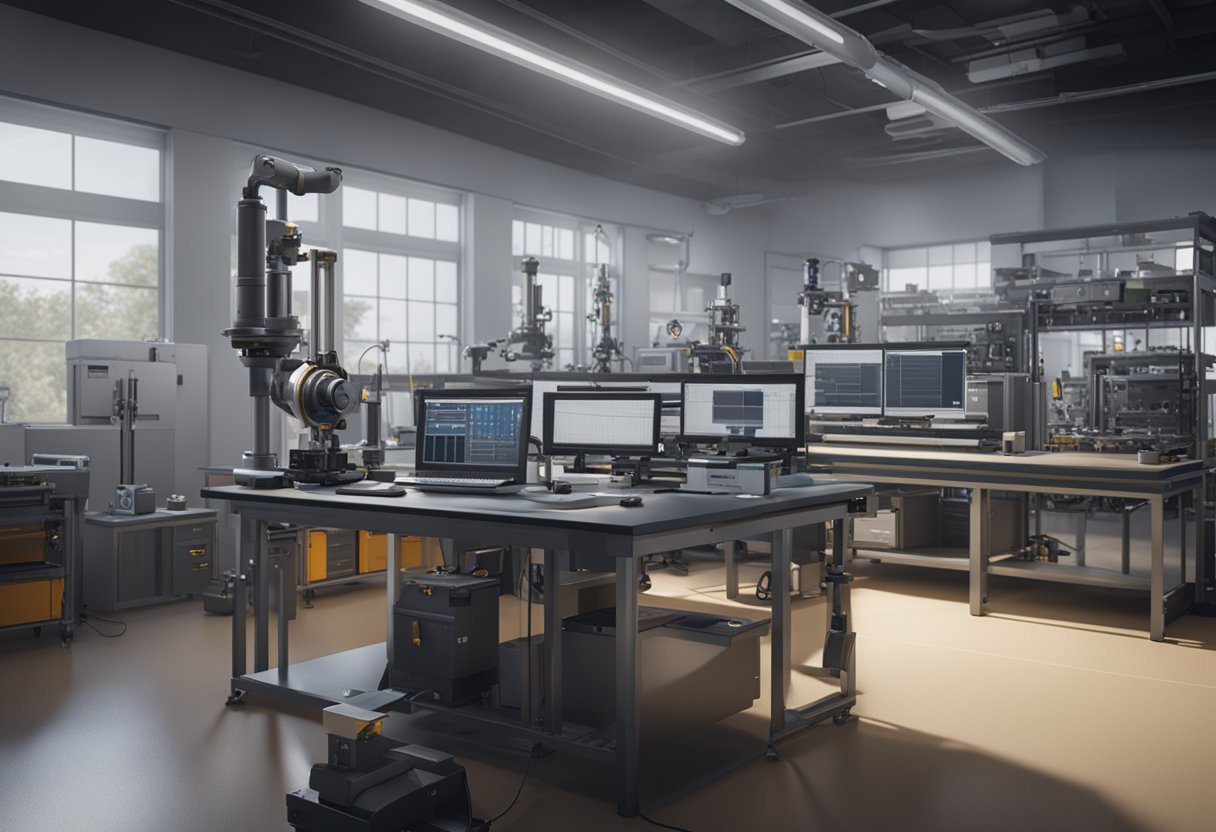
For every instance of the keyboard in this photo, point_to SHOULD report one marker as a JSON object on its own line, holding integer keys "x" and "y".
{"x": 471, "y": 485}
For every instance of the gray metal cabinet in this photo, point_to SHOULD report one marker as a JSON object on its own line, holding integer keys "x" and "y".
{"x": 147, "y": 558}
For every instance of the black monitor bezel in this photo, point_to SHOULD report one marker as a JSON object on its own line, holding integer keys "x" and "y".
{"x": 421, "y": 397}
{"x": 798, "y": 381}
{"x": 550, "y": 399}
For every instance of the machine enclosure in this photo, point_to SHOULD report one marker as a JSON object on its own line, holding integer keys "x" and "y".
{"x": 732, "y": 474}
{"x": 693, "y": 670}
{"x": 445, "y": 637}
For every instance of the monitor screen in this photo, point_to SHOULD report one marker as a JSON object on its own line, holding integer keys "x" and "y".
{"x": 605, "y": 422}
{"x": 925, "y": 382}
{"x": 473, "y": 430}
{"x": 844, "y": 381}
{"x": 758, "y": 410}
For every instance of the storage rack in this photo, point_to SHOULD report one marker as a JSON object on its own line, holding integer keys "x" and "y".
{"x": 1118, "y": 293}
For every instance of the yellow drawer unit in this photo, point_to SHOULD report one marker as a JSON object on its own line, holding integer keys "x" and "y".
{"x": 373, "y": 552}
{"x": 30, "y": 601}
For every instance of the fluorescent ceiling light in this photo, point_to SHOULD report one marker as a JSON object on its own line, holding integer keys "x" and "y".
{"x": 813, "y": 27}
{"x": 488, "y": 38}
{"x": 800, "y": 16}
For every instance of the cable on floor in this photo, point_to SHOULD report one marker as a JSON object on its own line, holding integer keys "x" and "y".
{"x": 660, "y": 824}
{"x": 518, "y": 792}
{"x": 84, "y": 619}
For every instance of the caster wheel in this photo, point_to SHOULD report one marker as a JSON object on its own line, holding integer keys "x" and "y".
{"x": 771, "y": 755}
{"x": 37, "y": 632}
{"x": 764, "y": 587}
{"x": 644, "y": 582}
{"x": 236, "y": 698}
{"x": 309, "y": 595}
{"x": 842, "y": 718}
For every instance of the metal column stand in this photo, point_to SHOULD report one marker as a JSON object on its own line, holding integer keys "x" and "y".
{"x": 839, "y": 660}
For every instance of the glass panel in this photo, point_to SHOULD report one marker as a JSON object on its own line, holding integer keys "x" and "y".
{"x": 358, "y": 272}
{"x": 902, "y": 258}
{"x": 359, "y": 318}
{"x": 964, "y": 276}
{"x": 35, "y": 157}
{"x": 964, "y": 253}
{"x": 565, "y": 244}
{"x": 35, "y": 246}
{"x": 117, "y": 254}
{"x": 565, "y": 358}
{"x": 422, "y": 321}
{"x": 117, "y": 169}
{"x": 899, "y": 279}
{"x": 422, "y": 358}
{"x": 447, "y": 287}
{"x": 305, "y": 208}
{"x": 1184, "y": 259}
{"x": 565, "y": 329}
{"x": 446, "y": 319}
{"x": 447, "y": 223}
{"x": 35, "y": 309}
{"x": 392, "y": 276}
{"x": 120, "y": 312}
{"x": 941, "y": 255}
{"x": 392, "y": 320}
{"x": 517, "y": 238}
{"x": 940, "y": 278}
{"x": 983, "y": 251}
{"x": 983, "y": 275}
{"x": 546, "y": 241}
{"x": 34, "y": 370}
{"x": 531, "y": 238}
{"x": 399, "y": 362}
{"x": 358, "y": 208}
{"x": 445, "y": 357}
{"x": 422, "y": 281}
{"x": 566, "y": 292}
{"x": 392, "y": 213}
{"x": 351, "y": 350}
{"x": 422, "y": 219}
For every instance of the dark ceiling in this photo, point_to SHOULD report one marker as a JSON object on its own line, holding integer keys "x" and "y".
{"x": 702, "y": 53}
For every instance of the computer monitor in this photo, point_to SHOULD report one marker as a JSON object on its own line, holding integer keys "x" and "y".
{"x": 602, "y": 422}
{"x": 474, "y": 430}
{"x": 762, "y": 409}
{"x": 925, "y": 382}
{"x": 841, "y": 380}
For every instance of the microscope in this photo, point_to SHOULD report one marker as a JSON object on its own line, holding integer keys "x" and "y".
{"x": 316, "y": 390}
{"x": 607, "y": 348}
{"x": 529, "y": 342}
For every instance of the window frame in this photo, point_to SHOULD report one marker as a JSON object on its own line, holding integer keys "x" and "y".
{"x": 73, "y": 206}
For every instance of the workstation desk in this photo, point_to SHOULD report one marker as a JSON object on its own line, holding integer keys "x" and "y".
{"x": 1038, "y": 472}
{"x": 608, "y": 538}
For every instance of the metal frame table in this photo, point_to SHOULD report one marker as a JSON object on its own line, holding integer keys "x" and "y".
{"x": 1085, "y": 474}
{"x": 608, "y": 538}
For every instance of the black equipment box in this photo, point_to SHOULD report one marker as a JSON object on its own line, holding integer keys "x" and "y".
{"x": 445, "y": 637}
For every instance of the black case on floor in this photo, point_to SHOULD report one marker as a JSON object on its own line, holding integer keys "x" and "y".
{"x": 445, "y": 637}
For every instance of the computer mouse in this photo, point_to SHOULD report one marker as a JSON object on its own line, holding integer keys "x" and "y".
{"x": 561, "y": 487}
{"x": 631, "y": 502}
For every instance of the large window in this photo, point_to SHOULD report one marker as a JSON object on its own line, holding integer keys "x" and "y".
{"x": 570, "y": 252}
{"x": 81, "y": 231}
{"x": 956, "y": 268}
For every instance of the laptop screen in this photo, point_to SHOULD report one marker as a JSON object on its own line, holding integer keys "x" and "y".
{"x": 474, "y": 431}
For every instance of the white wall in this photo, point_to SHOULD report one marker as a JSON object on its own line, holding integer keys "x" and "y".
{"x": 206, "y": 106}
{"x": 1064, "y": 192}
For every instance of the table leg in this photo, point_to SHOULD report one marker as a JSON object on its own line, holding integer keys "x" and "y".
{"x": 1157, "y": 576}
{"x": 553, "y": 643}
{"x": 1125, "y": 563}
{"x": 281, "y": 623}
{"x": 627, "y": 729}
{"x": 239, "y": 607}
{"x": 842, "y": 603}
{"x": 261, "y": 599}
{"x": 732, "y": 569}
{"x": 1182, "y": 539}
{"x": 780, "y": 647}
{"x": 1082, "y": 528}
{"x": 979, "y": 550}
{"x": 392, "y": 577}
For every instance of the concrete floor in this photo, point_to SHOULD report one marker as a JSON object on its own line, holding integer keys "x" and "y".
{"x": 1052, "y": 713}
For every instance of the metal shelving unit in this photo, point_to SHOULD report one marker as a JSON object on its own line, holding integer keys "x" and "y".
{"x": 1111, "y": 279}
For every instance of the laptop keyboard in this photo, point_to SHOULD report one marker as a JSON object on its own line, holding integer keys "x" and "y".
{"x": 469, "y": 482}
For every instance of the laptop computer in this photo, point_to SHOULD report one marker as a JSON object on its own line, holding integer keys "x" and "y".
{"x": 471, "y": 441}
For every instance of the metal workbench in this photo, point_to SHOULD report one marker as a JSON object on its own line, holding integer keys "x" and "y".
{"x": 1085, "y": 474}
{"x": 603, "y": 538}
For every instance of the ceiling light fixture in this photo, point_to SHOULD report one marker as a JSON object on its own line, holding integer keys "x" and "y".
{"x": 822, "y": 32}
{"x": 474, "y": 32}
